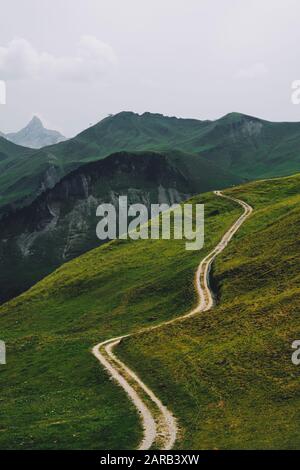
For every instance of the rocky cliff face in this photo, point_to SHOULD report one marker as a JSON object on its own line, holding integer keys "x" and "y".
{"x": 61, "y": 223}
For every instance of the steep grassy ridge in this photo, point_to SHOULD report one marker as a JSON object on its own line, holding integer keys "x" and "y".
{"x": 227, "y": 374}
{"x": 11, "y": 153}
{"x": 54, "y": 393}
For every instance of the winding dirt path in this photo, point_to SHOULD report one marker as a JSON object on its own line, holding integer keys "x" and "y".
{"x": 159, "y": 424}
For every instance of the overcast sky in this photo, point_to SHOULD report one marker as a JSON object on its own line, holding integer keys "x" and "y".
{"x": 72, "y": 62}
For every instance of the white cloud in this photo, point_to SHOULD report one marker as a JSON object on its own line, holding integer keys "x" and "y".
{"x": 257, "y": 70}
{"x": 20, "y": 60}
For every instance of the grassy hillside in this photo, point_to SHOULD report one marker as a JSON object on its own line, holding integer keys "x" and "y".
{"x": 11, "y": 153}
{"x": 241, "y": 147}
{"x": 253, "y": 148}
{"x": 24, "y": 174}
{"x": 54, "y": 393}
{"x": 227, "y": 374}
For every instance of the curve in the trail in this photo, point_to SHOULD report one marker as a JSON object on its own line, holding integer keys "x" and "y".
{"x": 159, "y": 424}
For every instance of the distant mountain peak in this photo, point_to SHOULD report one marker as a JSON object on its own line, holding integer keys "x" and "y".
{"x": 36, "y": 123}
{"x": 237, "y": 117}
{"x": 35, "y": 135}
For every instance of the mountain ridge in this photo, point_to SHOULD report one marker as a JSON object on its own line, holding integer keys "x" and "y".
{"x": 241, "y": 145}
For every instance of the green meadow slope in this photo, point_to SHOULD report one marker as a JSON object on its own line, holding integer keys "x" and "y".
{"x": 227, "y": 374}
{"x": 54, "y": 393}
